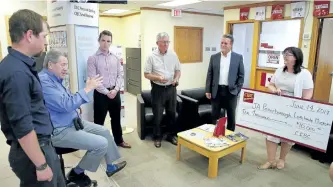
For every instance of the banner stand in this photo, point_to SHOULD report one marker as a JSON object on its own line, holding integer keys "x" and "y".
{"x": 117, "y": 50}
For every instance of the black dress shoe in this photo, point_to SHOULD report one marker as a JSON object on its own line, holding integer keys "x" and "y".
{"x": 157, "y": 143}
{"x": 172, "y": 139}
{"x": 79, "y": 179}
{"x": 119, "y": 166}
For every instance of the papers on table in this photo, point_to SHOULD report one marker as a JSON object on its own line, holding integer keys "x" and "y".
{"x": 220, "y": 142}
{"x": 236, "y": 137}
{"x": 206, "y": 127}
{"x": 212, "y": 141}
{"x": 216, "y": 142}
{"x": 193, "y": 134}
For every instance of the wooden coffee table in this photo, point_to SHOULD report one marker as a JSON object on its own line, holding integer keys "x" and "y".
{"x": 198, "y": 145}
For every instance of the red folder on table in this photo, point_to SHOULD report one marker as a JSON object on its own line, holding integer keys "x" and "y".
{"x": 220, "y": 127}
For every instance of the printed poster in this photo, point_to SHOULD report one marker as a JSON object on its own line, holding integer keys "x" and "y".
{"x": 244, "y": 14}
{"x": 297, "y": 10}
{"x": 277, "y": 12}
{"x": 260, "y": 13}
{"x": 321, "y": 8}
{"x": 86, "y": 44}
{"x": 58, "y": 41}
{"x": 265, "y": 79}
{"x": 273, "y": 57}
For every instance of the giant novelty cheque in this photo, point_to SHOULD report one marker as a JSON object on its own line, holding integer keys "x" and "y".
{"x": 301, "y": 121}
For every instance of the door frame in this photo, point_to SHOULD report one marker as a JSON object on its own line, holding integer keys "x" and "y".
{"x": 314, "y": 45}
{"x": 255, "y": 45}
{"x": 314, "y": 41}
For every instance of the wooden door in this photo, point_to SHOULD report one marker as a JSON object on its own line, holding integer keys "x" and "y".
{"x": 188, "y": 44}
{"x": 324, "y": 62}
{"x": 181, "y": 44}
{"x": 195, "y": 44}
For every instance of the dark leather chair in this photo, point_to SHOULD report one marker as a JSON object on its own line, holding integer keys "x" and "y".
{"x": 62, "y": 151}
{"x": 196, "y": 108}
{"x": 324, "y": 157}
{"x": 145, "y": 114}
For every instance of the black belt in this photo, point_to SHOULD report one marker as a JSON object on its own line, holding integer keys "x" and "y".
{"x": 111, "y": 88}
{"x": 223, "y": 86}
{"x": 163, "y": 86}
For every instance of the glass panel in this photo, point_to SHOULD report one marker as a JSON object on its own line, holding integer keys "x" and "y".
{"x": 275, "y": 36}
{"x": 243, "y": 35}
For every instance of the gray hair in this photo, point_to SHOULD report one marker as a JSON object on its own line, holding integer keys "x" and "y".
{"x": 161, "y": 35}
{"x": 52, "y": 56}
{"x": 229, "y": 36}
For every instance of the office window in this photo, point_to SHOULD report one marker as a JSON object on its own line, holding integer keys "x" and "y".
{"x": 272, "y": 43}
{"x": 188, "y": 44}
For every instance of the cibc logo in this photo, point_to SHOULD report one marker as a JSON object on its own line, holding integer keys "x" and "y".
{"x": 248, "y": 97}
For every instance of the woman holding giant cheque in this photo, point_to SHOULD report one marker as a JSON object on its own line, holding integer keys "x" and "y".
{"x": 290, "y": 80}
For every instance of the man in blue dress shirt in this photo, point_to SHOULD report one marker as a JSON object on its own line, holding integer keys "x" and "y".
{"x": 69, "y": 130}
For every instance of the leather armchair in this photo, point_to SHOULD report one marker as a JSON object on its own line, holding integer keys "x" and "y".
{"x": 323, "y": 157}
{"x": 196, "y": 108}
{"x": 145, "y": 115}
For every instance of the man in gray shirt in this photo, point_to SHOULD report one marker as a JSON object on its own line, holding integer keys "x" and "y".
{"x": 163, "y": 70}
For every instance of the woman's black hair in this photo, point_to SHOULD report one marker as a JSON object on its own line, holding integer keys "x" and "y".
{"x": 298, "y": 54}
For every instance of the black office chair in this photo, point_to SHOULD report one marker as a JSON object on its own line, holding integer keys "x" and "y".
{"x": 196, "y": 108}
{"x": 61, "y": 151}
{"x": 145, "y": 114}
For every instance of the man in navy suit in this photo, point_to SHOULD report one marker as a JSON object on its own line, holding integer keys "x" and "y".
{"x": 225, "y": 79}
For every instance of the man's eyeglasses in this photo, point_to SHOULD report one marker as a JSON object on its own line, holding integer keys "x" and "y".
{"x": 164, "y": 42}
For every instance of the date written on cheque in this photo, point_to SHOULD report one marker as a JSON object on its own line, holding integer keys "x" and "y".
{"x": 307, "y": 107}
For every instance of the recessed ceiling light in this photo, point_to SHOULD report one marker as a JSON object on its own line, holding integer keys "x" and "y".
{"x": 179, "y": 3}
{"x": 114, "y": 11}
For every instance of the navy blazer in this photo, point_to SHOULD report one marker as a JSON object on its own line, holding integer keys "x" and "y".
{"x": 235, "y": 77}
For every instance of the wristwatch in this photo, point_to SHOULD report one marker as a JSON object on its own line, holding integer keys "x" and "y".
{"x": 41, "y": 167}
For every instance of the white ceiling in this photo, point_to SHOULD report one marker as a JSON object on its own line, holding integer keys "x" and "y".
{"x": 206, "y": 6}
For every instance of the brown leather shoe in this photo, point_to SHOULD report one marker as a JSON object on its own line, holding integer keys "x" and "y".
{"x": 157, "y": 143}
{"x": 124, "y": 145}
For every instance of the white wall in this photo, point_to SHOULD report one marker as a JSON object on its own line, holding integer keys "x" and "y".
{"x": 114, "y": 25}
{"x": 125, "y": 31}
{"x": 153, "y": 22}
{"x": 8, "y": 7}
{"x": 131, "y": 30}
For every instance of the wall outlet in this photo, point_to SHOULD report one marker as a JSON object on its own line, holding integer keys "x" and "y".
{"x": 306, "y": 36}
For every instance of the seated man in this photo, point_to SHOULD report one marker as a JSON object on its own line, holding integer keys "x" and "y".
{"x": 62, "y": 105}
